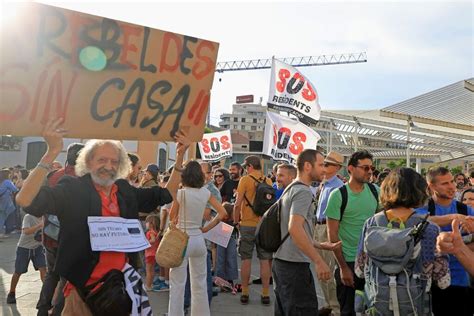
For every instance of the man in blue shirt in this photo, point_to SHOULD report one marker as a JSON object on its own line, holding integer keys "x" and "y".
{"x": 441, "y": 184}
{"x": 332, "y": 164}
{"x": 285, "y": 175}
{"x": 278, "y": 189}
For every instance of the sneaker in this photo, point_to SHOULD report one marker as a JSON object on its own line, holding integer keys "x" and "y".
{"x": 157, "y": 282}
{"x": 265, "y": 300}
{"x": 160, "y": 287}
{"x": 244, "y": 299}
{"x": 11, "y": 298}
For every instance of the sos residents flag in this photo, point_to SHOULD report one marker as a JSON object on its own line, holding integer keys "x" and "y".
{"x": 292, "y": 92}
{"x": 215, "y": 146}
{"x": 286, "y": 138}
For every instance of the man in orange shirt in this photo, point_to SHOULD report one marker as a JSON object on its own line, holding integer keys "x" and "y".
{"x": 247, "y": 222}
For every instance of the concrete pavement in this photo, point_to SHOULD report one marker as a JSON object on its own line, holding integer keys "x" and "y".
{"x": 29, "y": 287}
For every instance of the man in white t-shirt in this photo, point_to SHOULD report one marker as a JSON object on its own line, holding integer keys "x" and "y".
{"x": 28, "y": 249}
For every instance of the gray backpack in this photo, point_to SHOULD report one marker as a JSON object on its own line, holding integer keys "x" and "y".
{"x": 393, "y": 275}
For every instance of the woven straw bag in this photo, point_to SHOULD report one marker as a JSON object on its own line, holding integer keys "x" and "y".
{"x": 172, "y": 248}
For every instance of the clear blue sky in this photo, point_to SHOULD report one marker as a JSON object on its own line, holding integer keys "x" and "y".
{"x": 412, "y": 47}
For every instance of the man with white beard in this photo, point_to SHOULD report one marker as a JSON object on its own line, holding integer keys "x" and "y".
{"x": 99, "y": 190}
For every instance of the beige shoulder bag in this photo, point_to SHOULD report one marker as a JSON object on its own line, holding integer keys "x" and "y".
{"x": 172, "y": 248}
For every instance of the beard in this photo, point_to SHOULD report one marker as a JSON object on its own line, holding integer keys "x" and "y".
{"x": 103, "y": 181}
{"x": 446, "y": 196}
{"x": 234, "y": 176}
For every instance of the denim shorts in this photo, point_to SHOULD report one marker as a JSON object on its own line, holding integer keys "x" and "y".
{"x": 24, "y": 255}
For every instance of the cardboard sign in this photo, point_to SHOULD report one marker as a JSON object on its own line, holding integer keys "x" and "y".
{"x": 215, "y": 146}
{"x": 220, "y": 234}
{"x": 106, "y": 78}
{"x": 292, "y": 92}
{"x": 286, "y": 138}
{"x": 109, "y": 233}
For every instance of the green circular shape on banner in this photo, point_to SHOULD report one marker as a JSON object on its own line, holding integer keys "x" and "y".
{"x": 93, "y": 58}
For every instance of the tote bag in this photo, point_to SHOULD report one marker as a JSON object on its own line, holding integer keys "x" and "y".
{"x": 172, "y": 248}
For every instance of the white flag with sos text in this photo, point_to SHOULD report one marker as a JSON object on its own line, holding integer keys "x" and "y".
{"x": 215, "y": 146}
{"x": 291, "y": 91}
{"x": 286, "y": 138}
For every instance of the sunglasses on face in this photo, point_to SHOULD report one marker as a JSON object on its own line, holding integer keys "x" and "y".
{"x": 218, "y": 176}
{"x": 327, "y": 164}
{"x": 366, "y": 168}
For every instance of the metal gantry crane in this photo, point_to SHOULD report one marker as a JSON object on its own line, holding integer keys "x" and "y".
{"x": 305, "y": 61}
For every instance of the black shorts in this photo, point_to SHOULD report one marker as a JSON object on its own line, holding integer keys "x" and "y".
{"x": 24, "y": 255}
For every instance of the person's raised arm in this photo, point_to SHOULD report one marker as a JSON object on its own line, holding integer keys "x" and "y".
{"x": 220, "y": 214}
{"x": 175, "y": 178}
{"x": 53, "y": 135}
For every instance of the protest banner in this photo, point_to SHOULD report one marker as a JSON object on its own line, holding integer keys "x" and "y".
{"x": 106, "y": 78}
{"x": 220, "y": 234}
{"x": 215, "y": 146}
{"x": 292, "y": 92}
{"x": 285, "y": 138}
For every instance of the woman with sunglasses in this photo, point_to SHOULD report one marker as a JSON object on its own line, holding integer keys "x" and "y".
{"x": 221, "y": 175}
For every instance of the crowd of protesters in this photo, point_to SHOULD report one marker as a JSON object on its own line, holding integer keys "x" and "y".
{"x": 347, "y": 228}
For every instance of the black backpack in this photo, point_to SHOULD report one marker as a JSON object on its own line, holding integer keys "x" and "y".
{"x": 268, "y": 232}
{"x": 264, "y": 197}
{"x": 460, "y": 207}
{"x": 345, "y": 197}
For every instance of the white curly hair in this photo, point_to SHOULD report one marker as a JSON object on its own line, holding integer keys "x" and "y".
{"x": 87, "y": 153}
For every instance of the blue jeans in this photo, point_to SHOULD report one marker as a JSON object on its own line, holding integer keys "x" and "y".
{"x": 3, "y": 217}
{"x": 187, "y": 289}
{"x": 227, "y": 261}
{"x": 11, "y": 222}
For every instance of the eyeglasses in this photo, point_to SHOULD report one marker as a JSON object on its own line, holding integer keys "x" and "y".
{"x": 218, "y": 176}
{"x": 327, "y": 164}
{"x": 366, "y": 168}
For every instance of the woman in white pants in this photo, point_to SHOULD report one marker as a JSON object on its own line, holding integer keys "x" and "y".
{"x": 187, "y": 211}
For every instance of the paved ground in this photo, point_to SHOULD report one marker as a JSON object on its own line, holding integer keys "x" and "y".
{"x": 29, "y": 288}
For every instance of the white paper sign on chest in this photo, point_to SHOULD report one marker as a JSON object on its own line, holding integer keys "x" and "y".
{"x": 116, "y": 234}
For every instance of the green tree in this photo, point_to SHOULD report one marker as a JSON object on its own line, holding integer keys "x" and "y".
{"x": 456, "y": 170}
{"x": 400, "y": 163}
